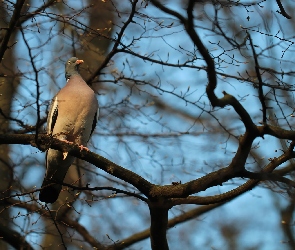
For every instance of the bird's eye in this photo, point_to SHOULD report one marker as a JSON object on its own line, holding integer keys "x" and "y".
{"x": 69, "y": 62}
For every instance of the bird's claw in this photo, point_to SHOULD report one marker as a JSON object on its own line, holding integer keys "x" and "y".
{"x": 83, "y": 147}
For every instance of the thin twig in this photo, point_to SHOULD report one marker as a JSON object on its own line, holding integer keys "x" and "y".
{"x": 106, "y": 188}
{"x": 260, "y": 86}
{"x": 37, "y": 85}
{"x": 116, "y": 45}
{"x": 59, "y": 232}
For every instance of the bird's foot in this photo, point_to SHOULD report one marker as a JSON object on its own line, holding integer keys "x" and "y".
{"x": 83, "y": 148}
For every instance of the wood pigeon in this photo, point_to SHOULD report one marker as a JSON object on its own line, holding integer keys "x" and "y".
{"x": 72, "y": 118}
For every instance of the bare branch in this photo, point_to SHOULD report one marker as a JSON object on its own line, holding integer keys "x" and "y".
{"x": 260, "y": 88}
{"x": 137, "y": 181}
{"x": 282, "y": 10}
{"x": 116, "y": 44}
{"x": 14, "y": 239}
{"x": 11, "y": 27}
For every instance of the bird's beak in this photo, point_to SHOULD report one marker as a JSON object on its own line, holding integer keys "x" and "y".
{"x": 79, "y": 62}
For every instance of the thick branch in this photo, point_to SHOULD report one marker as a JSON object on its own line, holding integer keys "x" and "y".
{"x": 276, "y": 132}
{"x": 218, "y": 177}
{"x": 211, "y": 71}
{"x": 257, "y": 177}
{"x": 282, "y": 10}
{"x": 14, "y": 239}
{"x": 45, "y": 141}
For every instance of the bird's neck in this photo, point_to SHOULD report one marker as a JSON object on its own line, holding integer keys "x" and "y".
{"x": 68, "y": 76}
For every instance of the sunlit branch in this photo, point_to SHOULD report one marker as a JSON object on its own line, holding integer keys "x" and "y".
{"x": 45, "y": 141}
{"x": 265, "y": 174}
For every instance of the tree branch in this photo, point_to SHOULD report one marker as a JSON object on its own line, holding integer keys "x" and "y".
{"x": 211, "y": 71}
{"x": 116, "y": 190}
{"x": 12, "y": 24}
{"x": 63, "y": 220}
{"x": 257, "y": 177}
{"x": 282, "y": 10}
{"x": 14, "y": 239}
{"x": 159, "y": 224}
{"x": 45, "y": 142}
{"x": 116, "y": 45}
{"x": 260, "y": 86}
{"x": 194, "y": 213}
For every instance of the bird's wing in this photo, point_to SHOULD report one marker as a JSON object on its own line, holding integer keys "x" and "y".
{"x": 52, "y": 115}
{"x": 94, "y": 122}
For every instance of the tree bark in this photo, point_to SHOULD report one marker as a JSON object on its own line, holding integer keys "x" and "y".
{"x": 159, "y": 223}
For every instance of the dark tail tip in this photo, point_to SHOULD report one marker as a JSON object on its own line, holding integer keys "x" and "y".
{"x": 48, "y": 194}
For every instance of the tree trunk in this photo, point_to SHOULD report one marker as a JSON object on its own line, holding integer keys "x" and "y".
{"x": 159, "y": 223}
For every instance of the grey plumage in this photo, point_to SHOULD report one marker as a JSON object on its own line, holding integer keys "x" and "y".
{"x": 72, "y": 117}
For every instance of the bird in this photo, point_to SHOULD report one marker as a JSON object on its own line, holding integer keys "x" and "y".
{"x": 72, "y": 118}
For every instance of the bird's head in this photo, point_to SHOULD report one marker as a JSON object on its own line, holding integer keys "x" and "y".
{"x": 72, "y": 67}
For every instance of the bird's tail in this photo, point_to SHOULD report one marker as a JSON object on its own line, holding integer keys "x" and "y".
{"x": 50, "y": 191}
